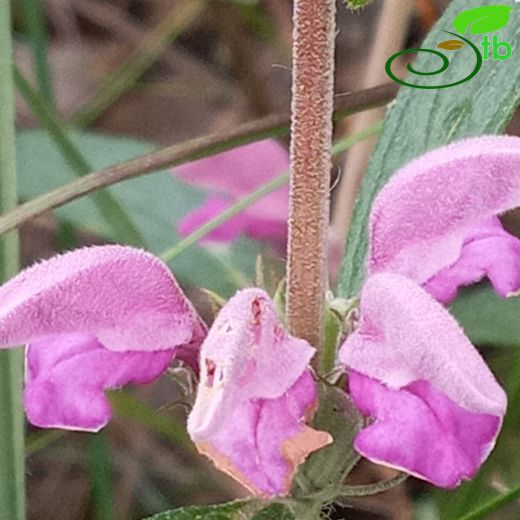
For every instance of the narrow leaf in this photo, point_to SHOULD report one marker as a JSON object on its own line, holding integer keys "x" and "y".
{"x": 356, "y": 4}
{"x": 100, "y": 475}
{"x": 35, "y": 26}
{"x": 494, "y": 505}
{"x": 131, "y": 408}
{"x": 332, "y": 336}
{"x": 12, "y": 454}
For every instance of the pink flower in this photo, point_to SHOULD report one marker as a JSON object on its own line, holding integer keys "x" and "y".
{"x": 231, "y": 176}
{"x": 102, "y": 317}
{"x": 255, "y": 396}
{"x": 435, "y": 406}
{"x": 436, "y": 220}
{"x": 94, "y": 319}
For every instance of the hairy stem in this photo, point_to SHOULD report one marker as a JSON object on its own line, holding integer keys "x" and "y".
{"x": 270, "y": 126}
{"x": 311, "y": 137}
{"x": 12, "y": 456}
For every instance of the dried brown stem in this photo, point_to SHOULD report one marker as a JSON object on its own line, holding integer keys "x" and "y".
{"x": 311, "y": 136}
{"x": 181, "y": 153}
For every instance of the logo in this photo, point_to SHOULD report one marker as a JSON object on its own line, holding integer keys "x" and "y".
{"x": 477, "y": 21}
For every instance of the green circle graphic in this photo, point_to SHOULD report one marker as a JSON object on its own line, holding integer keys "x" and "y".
{"x": 440, "y": 70}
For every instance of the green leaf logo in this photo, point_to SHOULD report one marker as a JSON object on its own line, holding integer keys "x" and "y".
{"x": 480, "y": 20}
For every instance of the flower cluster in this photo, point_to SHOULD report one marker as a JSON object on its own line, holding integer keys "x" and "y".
{"x": 103, "y": 317}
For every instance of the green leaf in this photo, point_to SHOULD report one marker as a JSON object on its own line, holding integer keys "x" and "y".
{"x": 130, "y": 407}
{"x": 274, "y": 512}
{"x": 34, "y": 21}
{"x": 487, "y": 318}
{"x": 109, "y": 207}
{"x": 483, "y": 19}
{"x": 421, "y": 120}
{"x": 229, "y": 511}
{"x": 494, "y": 505}
{"x": 249, "y": 509}
{"x": 155, "y": 202}
{"x": 34, "y": 442}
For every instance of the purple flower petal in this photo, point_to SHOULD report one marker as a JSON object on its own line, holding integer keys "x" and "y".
{"x": 232, "y": 175}
{"x": 93, "y": 319}
{"x": 421, "y": 431}
{"x": 435, "y": 206}
{"x": 265, "y": 440}
{"x": 66, "y": 375}
{"x": 254, "y": 396}
{"x": 490, "y": 252}
{"x": 419, "y": 361}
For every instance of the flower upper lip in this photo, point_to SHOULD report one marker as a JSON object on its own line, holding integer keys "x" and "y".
{"x": 423, "y": 214}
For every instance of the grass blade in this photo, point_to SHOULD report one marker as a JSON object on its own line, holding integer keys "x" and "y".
{"x": 131, "y": 408}
{"x": 40, "y": 440}
{"x": 100, "y": 476}
{"x": 124, "y": 78}
{"x": 12, "y": 454}
{"x": 108, "y": 206}
{"x": 37, "y": 32}
{"x": 174, "y": 155}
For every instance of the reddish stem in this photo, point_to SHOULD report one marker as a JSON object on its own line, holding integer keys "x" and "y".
{"x": 311, "y": 136}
